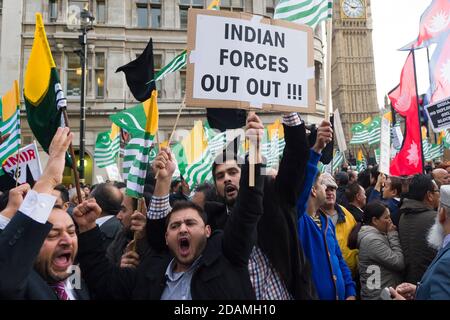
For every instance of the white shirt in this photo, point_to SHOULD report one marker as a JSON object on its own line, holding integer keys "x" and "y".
{"x": 3, "y": 222}
{"x": 102, "y": 220}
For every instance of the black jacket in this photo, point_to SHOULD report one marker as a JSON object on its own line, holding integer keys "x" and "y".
{"x": 277, "y": 228}
{"x": 20, "y": 243}
{"x": 223, "y": 268}
{"x": 110, "y": 229}
{"x": 416, "y": 219}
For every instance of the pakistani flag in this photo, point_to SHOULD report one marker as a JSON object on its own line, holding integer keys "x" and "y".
{"x": 138, "y": 170}
{"x": 107, "y": 147}
{"x": 374, "y": 131}
{"x": 309, "y": 12}
{"x": 360, "y": 132}
{"x": 42, "y": 91}
{"x": 10, "y": 122}
{"x": 360, "y": 161}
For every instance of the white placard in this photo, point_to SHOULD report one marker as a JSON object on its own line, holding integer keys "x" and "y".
{"x": 339, "y": 132}
{"x": 113, "y": 173}
{"x": 28, "y": 158}
{"x": 100, "y": 179}
{"x": 385, "y": 146}
{"x": 249, "y": 61}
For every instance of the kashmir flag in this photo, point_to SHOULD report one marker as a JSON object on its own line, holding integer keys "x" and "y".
{"x": 107, "y": 147}
{"x": 42, "y": 91}
{"x": 360, "y": 132}
{"x": 10, "y": 122}
{"x": 214, "y": 5}
{"x": 434, "y": 21}
{"x": 273, "y": 143}
{"x": 374, "y": 131}
{"x": 409, "y": 160}
{"x": 377, "y": 155}
{"x": 309, "y": 12}
{"x": 138, "y": 171}
{"x": 440, "y": 70}
{"x": 360, "y": 161}
{"x": 446, "y": 139}
{"x": 133, "y": 120}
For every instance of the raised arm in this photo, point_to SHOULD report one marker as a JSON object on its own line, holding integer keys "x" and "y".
{"x": 240, "y": 231}
{"x": 159, "y": 208}
{"x": 23, "y": 236}
{"x": 324, "y": 136}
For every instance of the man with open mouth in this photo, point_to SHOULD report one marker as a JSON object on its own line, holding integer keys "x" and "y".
{"x": 38, "y": 244}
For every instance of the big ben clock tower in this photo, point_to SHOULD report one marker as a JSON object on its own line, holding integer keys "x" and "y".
{"x": 354, "y": 90}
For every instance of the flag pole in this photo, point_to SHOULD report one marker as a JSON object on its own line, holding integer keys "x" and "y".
{"x": 140, "y": 208}
{"x": 72, "y": 155}
{"x": 183, "y": 104}
{"x": 329, "y": 30}
{"x": 418, "y": 110}
{"x": 16, "y": 85}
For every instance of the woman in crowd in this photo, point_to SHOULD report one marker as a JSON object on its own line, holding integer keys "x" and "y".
{"x": 381, "y": 260}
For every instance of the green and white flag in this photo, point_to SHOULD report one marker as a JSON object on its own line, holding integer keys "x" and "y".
{"x": 141, "y": 147}
{"x": 309, "y": 12}
{"x": 338, "y": 159}
{"x": 176, "y": 64}
{"x": 107, "y": 147}
{"x": 10, "y": 123}
{"x": 360, "y": 132}
{"x": 374, "y": 130}
{"x": 377, "y": 155}
{"x": 436, "y": 151}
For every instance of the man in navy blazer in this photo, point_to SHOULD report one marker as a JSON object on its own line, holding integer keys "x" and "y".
{"x": 435, "y": 283}
{"x": 38, "y": 243}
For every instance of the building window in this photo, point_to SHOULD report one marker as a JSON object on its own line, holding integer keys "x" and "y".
{"x": 73, "y": 75}
{"x": 183, "y": 81}
{"x": 184, "y": 7}
{"x": 101, "y": 12}
{"x": 100, "y": 75}
{"x": 157, "y": 65}
{"x": 270, "y": 7}
{"x": 149, "y": 14}
{"x": 319, "y": 80}
{"x": 53, "y": 10}
{"x": 81, "y": 4}
{"x": 232, "y": 5}
{"x": 1, "y": 6}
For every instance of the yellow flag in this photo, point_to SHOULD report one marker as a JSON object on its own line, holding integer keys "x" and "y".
{"x": 151, "y": 111}
{"x": 40, "y": 63}
{"x": 195, "y": 143}
{"x": 10, "y": 102}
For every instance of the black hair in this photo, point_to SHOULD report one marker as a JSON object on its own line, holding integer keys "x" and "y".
{"x": 208, "y": 189}
{"x": 119, "y": 184}
{"x": 364, "y": 178}
{"x": 375, "y": 209}
{"x": 374, "y": 173}
{"x": 106, "y": 199}
{"x": 181, "y": 205}
{"x": 351, "y": 191}
{"x": 64, "y": 192}
{"x": 222, "y": 158}
{"x": 419, "y": 186}
{"x": 341, "y": 178}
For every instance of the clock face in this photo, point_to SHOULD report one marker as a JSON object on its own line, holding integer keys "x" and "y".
{"x": 353, "y": 8}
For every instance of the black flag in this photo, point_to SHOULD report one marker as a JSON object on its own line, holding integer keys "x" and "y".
{"x": 139, "y": 72}
{"x": 223, "y": 119}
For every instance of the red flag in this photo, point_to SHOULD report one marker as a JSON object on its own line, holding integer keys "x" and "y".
{"x": 440, "y": 70}
{"x": 434, "y": 21}
{"x": 404, "y": 100}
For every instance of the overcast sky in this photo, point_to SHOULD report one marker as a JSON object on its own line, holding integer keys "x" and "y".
{"x": 396, "y": 23}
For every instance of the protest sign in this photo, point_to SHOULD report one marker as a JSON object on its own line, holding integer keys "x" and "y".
{"x": 239, "y": 60}
{"x": 29, "y": 163}
{"x": 439, "y": 115}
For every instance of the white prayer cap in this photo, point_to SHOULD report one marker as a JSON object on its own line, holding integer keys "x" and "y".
{"x": 445, "y": 195}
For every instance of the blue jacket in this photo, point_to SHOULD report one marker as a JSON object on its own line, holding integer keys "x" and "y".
{"x": 330, "y": 273}
{"x": 435, "y": 283}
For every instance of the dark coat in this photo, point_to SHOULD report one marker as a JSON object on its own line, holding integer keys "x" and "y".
{"x": 109, "y": 230}
{"x": 20, "y": 243}
{"x": 356, "y": 212}
{"x": 277, "y": 229}
{"x": 416, "y": 219}
{"x": 222, "y": 272}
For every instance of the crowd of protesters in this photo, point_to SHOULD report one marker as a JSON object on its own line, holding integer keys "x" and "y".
{"x": 296, "y": 234}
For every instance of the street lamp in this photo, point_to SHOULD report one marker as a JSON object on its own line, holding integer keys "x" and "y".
{"x": 86, "y": 24}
